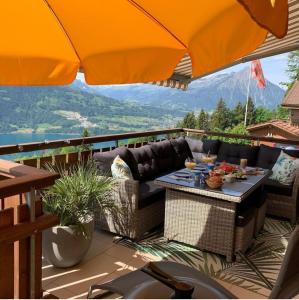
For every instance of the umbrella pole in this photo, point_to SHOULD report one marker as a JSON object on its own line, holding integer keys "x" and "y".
{"x": 247, "y": 98}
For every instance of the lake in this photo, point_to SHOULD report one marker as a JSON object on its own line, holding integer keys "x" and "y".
{"x": 20, "y": 138}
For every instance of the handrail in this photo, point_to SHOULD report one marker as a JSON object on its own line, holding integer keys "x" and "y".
{"x": 27, "y": 147}
{"x": 21, "y": 179}
{"x": 242, "y": 137}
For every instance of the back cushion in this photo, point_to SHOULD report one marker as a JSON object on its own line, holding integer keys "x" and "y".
{"x": 232, "y": 153}
{"x": 145, "y": 163}
{"x": 211, "y": 146}
{"x": 164, "y": 154}
{"x": 104, "y": 160}
{"x": 182, "y": 152}
{"x": 267, "y": 156}
{"x": 195, "y": 145}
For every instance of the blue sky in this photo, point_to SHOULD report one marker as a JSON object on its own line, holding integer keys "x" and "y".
{"x": 274, "y": 68}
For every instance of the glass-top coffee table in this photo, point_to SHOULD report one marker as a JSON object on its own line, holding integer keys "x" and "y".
{"x": 203, "y": 217}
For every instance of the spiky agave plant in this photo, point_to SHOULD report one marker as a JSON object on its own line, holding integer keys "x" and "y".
{"x": 78, "y": 194}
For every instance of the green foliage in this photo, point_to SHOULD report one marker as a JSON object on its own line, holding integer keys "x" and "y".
{"x": 292, "y": 69}
{"x": 250, "y": 112}
{"x": 220, "y": 118}
{"x": 78, "y": 193}
{"x": 238, "y": 129}
{"x": 189, "y": 121}
{"x": 203, "y": 120}
{"x": 238, "y": 114}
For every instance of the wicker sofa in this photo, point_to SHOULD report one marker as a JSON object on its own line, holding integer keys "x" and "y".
{"x": 142, "y": 203}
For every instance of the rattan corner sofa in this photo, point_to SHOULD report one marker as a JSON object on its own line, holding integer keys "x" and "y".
{"x": 141, "y": 203}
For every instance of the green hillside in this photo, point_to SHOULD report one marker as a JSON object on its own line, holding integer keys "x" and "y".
{"x": 66, "y": 110}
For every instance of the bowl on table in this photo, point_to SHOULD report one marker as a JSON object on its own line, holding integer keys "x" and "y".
{"x": 208, "y": 159}
{"x": 214, "y": 182}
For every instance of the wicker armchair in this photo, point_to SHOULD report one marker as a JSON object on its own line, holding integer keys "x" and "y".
{"x": 284, "y": 206}
{"x": 129, "y": 220}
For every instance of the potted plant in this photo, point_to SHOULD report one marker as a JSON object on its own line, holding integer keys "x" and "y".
{"x": 74, "y": 198}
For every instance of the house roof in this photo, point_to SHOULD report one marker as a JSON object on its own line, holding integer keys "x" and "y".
{"x": 279, "y": 124}
{"x": 292, "y": 98}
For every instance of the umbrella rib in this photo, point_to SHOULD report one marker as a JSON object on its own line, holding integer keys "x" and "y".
{"x": 139, "y": 7}
{"x": 63, "y": 29}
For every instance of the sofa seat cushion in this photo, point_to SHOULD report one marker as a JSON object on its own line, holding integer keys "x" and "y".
{"x": 149, "y": 193}
{"x": 268, "y": 156}
{"x": 165, "y": 155}
{"x": 244, "y": 216}
{"x": 195, "y": 145}
{"x": 145, "y": 165}
{"x": 182, "y": 152}
{"x": 232, "y": 153}
{"x": 211, "y": 146}
{"x": 274, "y": 187}
{"x": 104, "y": 160}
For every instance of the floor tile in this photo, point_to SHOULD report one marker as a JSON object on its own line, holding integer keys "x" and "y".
{"x": 120, "y": 252}
{"x": 244, "y": 294}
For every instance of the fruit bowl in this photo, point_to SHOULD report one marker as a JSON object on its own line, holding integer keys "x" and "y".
{"x": 214, "y": 182}
{"x": 208, "y": 159}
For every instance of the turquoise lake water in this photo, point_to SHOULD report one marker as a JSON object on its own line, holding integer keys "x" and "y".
{"x": 20, "y": 138}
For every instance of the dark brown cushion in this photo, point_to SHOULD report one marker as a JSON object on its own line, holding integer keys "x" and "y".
{"x": 149, "y": 193}
{"x": 195, "y": 145}
{"x": 267, "y": 156}
{"x": 145, "y": 165}
{"x": 104, "y": 160}
{"x": 232, "y": 153}
{"x": 164, "y": 154}
{"x": 274, "y": 187}
{"x": 211, "y": 146}
{"x": 182, "y": 152}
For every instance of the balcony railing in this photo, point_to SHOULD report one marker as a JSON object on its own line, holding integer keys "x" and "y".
{"x": 118, "y": 139}
{"x": 21, "y": 216}
{"x": 21, "y": 223}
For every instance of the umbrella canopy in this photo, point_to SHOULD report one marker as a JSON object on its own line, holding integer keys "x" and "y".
{"x": 45, "y": 42}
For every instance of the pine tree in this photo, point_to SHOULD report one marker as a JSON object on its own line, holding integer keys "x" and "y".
{"x": 220, "y": 118}
{"x": 250, "y": 112}
{"x": 238, "y": 114}
{"x": 203, "y": 120}
{"x": 293, "y": 68}
{"x": 189, "y": 121}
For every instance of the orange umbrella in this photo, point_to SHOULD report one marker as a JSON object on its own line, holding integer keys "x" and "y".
{"x": 45, "y": 42}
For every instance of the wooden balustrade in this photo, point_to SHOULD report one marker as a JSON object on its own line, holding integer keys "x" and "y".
{"x": 73, "y": 158}
{"x": 21, "y": 223}
{"x": 21, "y": 216}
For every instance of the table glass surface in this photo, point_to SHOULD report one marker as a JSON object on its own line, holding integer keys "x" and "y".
{"x": 238, "y": 188}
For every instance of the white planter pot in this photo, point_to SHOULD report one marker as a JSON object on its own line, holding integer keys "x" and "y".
{"x": 66, "y": 246}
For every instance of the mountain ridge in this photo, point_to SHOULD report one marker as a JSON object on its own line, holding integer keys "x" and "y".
{"x": 202, "y": 93}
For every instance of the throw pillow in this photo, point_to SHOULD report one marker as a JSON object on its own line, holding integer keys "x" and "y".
{"x": 120, "y": 169}
{"x": 284, "y": 170}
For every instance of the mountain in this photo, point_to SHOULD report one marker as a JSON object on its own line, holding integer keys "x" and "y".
{"x": 202, "y": 93}
{"x": 67, "y": 109}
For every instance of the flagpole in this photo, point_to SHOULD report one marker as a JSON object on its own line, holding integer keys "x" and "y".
{"x": 247, "y": 98}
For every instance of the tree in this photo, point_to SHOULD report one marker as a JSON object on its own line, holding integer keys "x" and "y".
{"x": 220, "y": 118}
{"x": 292, "y": 69}
{"x": 281, "y": 113}
{"x": 238, "y": 114}
{"x": 203, "y": 119}
{"x": 263, "y": 114}
{"x": 189, "y": 121}
{"x": 250, "y": 112}
{"x": 238, "y": 129}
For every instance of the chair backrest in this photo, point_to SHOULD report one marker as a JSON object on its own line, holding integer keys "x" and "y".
{"x": 287, "y": 284}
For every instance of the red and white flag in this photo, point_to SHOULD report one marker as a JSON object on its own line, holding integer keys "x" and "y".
{"x": 257, "y": 73}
